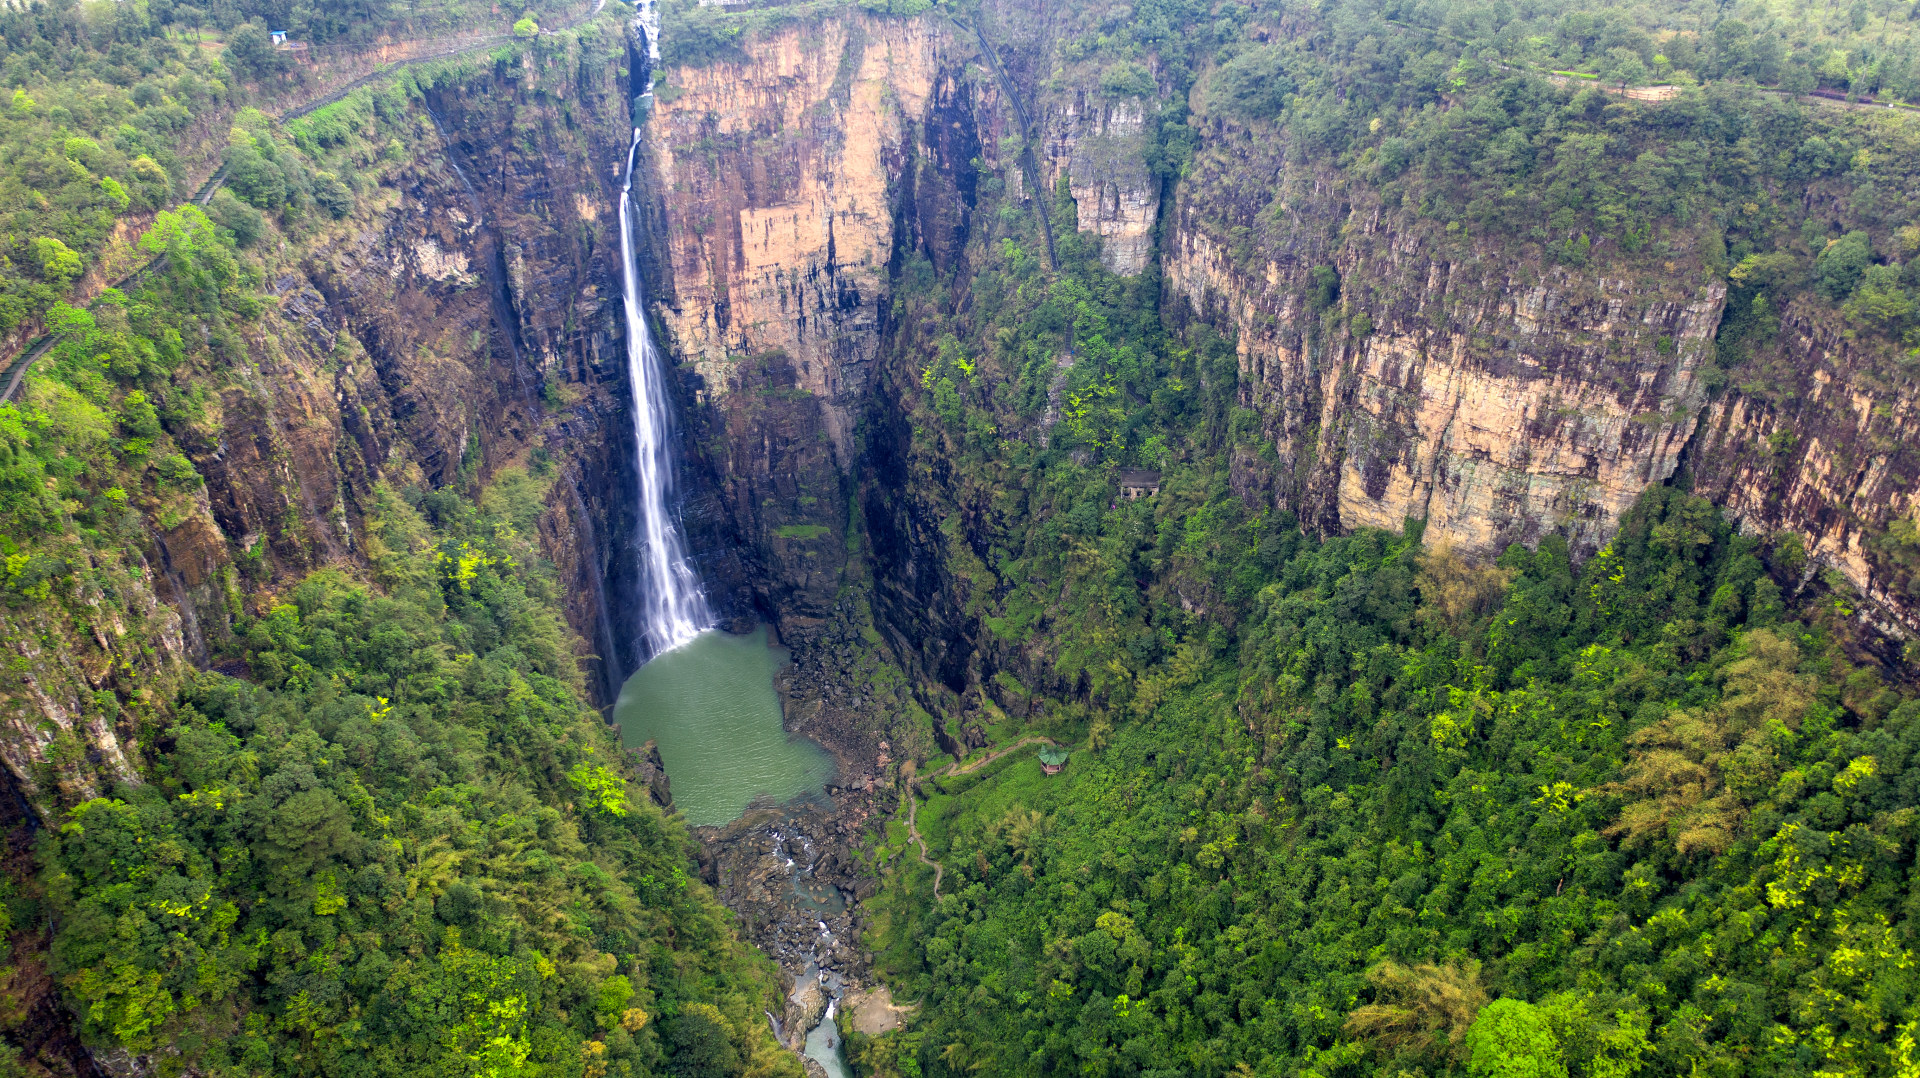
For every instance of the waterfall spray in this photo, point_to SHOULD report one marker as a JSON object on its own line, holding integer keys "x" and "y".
{"x": 673, "y": 609}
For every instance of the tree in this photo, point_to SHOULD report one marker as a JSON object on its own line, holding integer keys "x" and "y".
{"x": 1625, "y": 68}
{"x": 526, "y": 27}
{"x": 1839, "y": 267}
{"x": 1453, "y": 593}
{"x": 1423, "y": 1010}
{"x": 250, "y": 51}
{"x": 1879, "y": 298}
{"x": 252, "y": 174}
{"x": 1691, "y": 775}
{"x": 1510, "y": 1039}
{"x": 1253, "y": 84}
{"x": 245, "y": 222}
{"x": 702, "y": 1042}
{"x": 57, "y": 262}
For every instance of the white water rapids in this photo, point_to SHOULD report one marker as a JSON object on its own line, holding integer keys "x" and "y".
{"x": 673, "y": 608}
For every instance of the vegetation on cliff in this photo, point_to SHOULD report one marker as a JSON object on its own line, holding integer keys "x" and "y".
{"x": 402, "y": 845}
{"x": 1354, "y": 805}
{"x": 389, "y": 836}
{"x": 1357, "y": 806}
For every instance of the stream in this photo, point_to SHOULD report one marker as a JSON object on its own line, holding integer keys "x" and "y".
{"x": 710, "y": 706}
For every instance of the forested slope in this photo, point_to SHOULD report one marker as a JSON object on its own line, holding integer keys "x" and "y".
{"x": 1668, "y": 828}
{"x": 318, "y": 784}
{"x": 400, "y": 844}
{"x": 1631, "y": 797}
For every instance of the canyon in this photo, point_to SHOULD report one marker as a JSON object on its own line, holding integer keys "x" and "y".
{"x": 466, "y": 321}
{"x": 455, "y": 323}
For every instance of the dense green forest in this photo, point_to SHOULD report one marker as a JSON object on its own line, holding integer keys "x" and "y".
{"x": 1354, "y": 805}
{"x": 1418, "y": 817}
{"x": 392, "y": 837}
{"x": 402, "y": 845}
{"x": 1372, "y": 809}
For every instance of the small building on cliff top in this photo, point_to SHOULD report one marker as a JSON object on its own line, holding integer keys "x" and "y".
{"x": 1052, "y": 759}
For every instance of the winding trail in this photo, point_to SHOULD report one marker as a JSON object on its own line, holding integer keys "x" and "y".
{"x": 33, "y": 350}
{"x": 955, "y": 768}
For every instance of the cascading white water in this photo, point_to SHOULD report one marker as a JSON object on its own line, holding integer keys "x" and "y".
{"x": 673, "y": 607}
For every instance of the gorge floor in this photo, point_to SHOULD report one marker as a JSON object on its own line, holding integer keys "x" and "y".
{"x": 779, "y": 811}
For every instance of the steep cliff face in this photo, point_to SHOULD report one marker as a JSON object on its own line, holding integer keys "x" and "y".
{"x": 1099, "y": 146}
{"x": 450, "y": 325}
{"x": 1402, "y": 372}
{"x": 776, "y": 174}
{"x": 784, "y": 181}
{"x": 1821, "y": 446}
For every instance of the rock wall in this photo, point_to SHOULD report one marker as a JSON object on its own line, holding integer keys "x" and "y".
{"x": 1502, "y": 397}
{"x": 785, "y": 181}
{"x": 451, "y": 325}
{"x": 777, "y": 177}
{"x": 1818, "y": 441}
{"x": 1496, "y": 396}
{"x": 1099, "y": 146}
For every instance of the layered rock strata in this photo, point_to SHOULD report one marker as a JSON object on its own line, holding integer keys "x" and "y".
{"x": 1408, "y": 373}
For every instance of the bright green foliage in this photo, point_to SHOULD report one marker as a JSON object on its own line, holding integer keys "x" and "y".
{"x": 1283, "y": 819}
{"x": 104, "y": 100}
{"x": 365, "y": 860}
{"x": 1840, "y": 265}
{"x": 88, "y": 137}
{"x": 604, "y": 790}
{"x": 1510, "y": 1039}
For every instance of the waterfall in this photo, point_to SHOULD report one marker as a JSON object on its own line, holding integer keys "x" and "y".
{"x": 673, "y": 609}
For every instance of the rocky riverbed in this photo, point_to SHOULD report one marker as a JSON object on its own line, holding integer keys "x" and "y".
{"x": 789, "y": 873}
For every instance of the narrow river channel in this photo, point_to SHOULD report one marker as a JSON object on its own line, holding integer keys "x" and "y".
{"x": 711, "y": 706}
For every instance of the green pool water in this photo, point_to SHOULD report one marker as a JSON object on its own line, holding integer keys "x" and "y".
{"x": 711, "y": 706}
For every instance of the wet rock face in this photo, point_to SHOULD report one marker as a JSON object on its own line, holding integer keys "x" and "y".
{"x": 1407, "y": 373}
{"x": 804, "y": 1009}
{"x": 653, "y": 774}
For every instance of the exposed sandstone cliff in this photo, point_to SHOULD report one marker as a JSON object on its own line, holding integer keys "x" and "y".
{"x": 1099, "y": 146}
{"x": 777, "y": 177}
{"x": 784, "y": 182}
{"x": 1497, "y": 398}
{"x": 1819, "y": 442}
